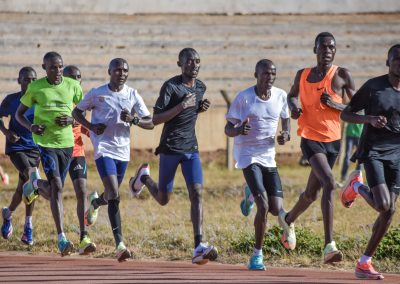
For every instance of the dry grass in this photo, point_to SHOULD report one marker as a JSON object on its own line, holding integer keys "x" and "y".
{"x": 153, "y": 231}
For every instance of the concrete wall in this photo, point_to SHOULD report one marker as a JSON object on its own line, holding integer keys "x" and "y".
{"x": 229, "y": 7}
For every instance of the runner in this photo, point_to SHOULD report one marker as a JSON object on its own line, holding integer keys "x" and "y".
{"x": 379, "y": 151}
{"x": 113, "y": 106}
{"x": 77, "y": 172}
{"x": 319, "y": 90}
{"x": 180, "y": 101}
{"x": 53, "y": 97}
{"x": 23, "y": 153}
{"x": 253, "y": 120}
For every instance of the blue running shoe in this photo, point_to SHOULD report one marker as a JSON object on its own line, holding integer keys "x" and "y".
{"x": 27, "y": 237}
{"x": 256, "y": 263}
{"x": 247, "y": 203}
{"x": 6, "y": 228}
{"x": 65, "y": 247}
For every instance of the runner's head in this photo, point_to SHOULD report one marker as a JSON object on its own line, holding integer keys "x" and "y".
{"x": 265, "y": 73}
{"x": 393, "y": 60}
{"x": 25, "y": 76}
{"x": 53, "y": 65}
{"x": 118, "y": 69}
{"x": 72, "y": 72}
{"x": 325, "y": 48}
{"x": 189, "y": 61}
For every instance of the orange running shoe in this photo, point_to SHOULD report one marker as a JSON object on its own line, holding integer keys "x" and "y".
{"x": 347, "y": 194}
{"x": 366, "y": 271}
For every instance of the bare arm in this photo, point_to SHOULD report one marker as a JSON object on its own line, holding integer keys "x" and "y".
{"x": 10, "y": 135}
{"x": 293, "y": 97}
{"x": 350, "y": 116}
{"x": 232, "y": 131}
{"x": 285, "y": 133}
{"x": 188, "y": 101}
{"x": 144, "y": 122}
{"x": 79, "y": 115}
{"x": 34, "y": 128}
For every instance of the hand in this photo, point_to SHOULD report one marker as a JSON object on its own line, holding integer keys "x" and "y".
{"x": 378, "y": 121}
{"x": 126, "y": 116}
{"x": 75, "y": 123}
{"x": 38, "y": 129}
{"x": 12, "y": 137}
{"x": 296, "y": 112}
{"x": 64, "y": 120}
{"x": 204, "y": 105}
{"x": 189, "y": 101}
{"x": 283, "y": 137}
{"x": 326, "y": 99}
{"x": 98, "y": 128}
{"x": 245, "y": 127}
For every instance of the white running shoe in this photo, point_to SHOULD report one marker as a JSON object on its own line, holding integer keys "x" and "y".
{"x": 135, "y": 184}
{"x": 203, "y": 253}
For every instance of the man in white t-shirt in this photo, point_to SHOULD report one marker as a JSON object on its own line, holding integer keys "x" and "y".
{"x": 253, "y": 119}
{"x": 113, "y": 106}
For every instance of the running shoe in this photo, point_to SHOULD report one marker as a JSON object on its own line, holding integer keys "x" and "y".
{"x": 91, "y": 213}
{"x": 256, "y": 263}
{"x": 122, "y": 253}
{"x": 29, "y": 193}
{"x": 135, "y": 183}
{"x": 27, "y": 236}
{"x": 366, "y": 271}
{"x": 332, "y": 254}
{"x": 347, "y": 194}
{"x": 247, "y": 204}
{"x": 86, "y": 246}
{"x": 203, "y": 253}
{"x": 7, "y": 227}
{"x": 65, "y": 247}
{"x": 288, "y": 238}
{"x": 6, "y": 179}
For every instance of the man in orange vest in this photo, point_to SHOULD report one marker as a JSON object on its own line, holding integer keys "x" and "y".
{"x": 316, "y": 101}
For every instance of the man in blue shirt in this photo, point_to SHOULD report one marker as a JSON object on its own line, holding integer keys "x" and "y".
{"x": 23, "y": 153}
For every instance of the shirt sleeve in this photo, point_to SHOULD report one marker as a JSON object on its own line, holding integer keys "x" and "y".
{"x": 234, "y": 114}
{"x": 163, "y": 100}
{"x": 285, "y": 109}
{"x": 78, "y": 94}
{"x": 28, "y": 98}
{"x": 5, "y": 107}
{"x": 360, "y": 99}
{"x": 87, "y": 102}
{"x": 139, "y": 107}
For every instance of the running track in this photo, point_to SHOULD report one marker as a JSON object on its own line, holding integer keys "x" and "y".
{"x": 23, "y": 268}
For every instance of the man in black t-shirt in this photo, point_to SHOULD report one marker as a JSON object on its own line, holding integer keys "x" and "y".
{"x": 179, "y": 103}
{"x": 379, "y": 151}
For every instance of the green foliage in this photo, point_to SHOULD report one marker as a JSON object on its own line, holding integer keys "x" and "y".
{"x": 390, "y": 245}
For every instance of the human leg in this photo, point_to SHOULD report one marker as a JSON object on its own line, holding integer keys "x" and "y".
{"x": 347, "y": 154}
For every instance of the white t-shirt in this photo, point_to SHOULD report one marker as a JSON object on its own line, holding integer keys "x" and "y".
{"x": 259, "y": 145}
{"x": 106, "y": 107}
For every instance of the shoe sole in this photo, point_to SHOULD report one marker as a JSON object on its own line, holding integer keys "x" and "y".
{"x": 87, "y": 250}
{"x": 363, "y": 275}
{"x": 210, "y": 255}
{"x": 347, "y": 204}
{"x": 284, "y": 240}
{"x": 27, "y": 243}
{"x": 124, "y": 256}
{"x": 6, "y": 237}
{"x": 133, "y": 180}
{"x": 257, "y": 269}
{"x": 67, "y": 250}
{"x": 334, "y": 257}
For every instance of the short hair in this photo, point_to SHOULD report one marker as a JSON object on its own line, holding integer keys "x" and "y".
{"x": 262, "y": 63}
{"x": 185, "y": 51}
{"x": 392, "y": 48}
{"x": 50, "y": 55}
{"x": 323, "y": 34}
{"x": 114, "y": 61}
{"x": 26, "y": 69}
{"x": 69, "y": 69}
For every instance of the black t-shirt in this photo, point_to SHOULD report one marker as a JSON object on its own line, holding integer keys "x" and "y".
{"x": 178, "y": 135}
{"x": 377, "y": 97}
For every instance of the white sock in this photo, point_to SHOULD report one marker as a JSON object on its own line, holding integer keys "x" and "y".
{"x": 257, "y": 252}
{"x": 365, "y": 258}
{"x": 61, "y": 236}
{"x": 356, "y": 186}
{"x": 35, "y": 185}
{"x": 28, "y": 222}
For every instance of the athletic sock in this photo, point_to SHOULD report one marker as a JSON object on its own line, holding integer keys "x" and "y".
{"x": 83, "y": 234}
{"x": 61, "y": 236}
{"x": 7, "y": 213}
{"x": 28, "y": 222}
{"x": 115, "y": 220}
{"x": 143, "y": 178}
{"x": 257, "y": 252}
{"x": 100, "y": 201}
{"x": 197, "y": 240}
{"x": 35, "y": 184}
{"x": 356, "y": 186}
{"x": 365, "y": 258}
